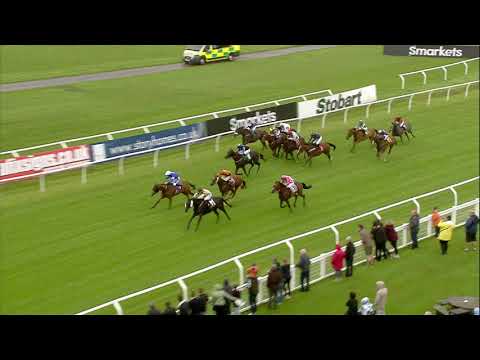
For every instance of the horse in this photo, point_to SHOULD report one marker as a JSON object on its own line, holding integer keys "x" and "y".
{"x": 226, "y": 187}
{"x": 359, "y": 136}
{"x": 304, "y": 148}
{"x": 284, "y": 193}
{"x": 275, "y": 143}
{"x": 201, "y": 208}
{"x": 398, "y": 131}
{"x": 169, "y": 191}
{"x": 289, "y": 146}
{"x": 241, "y": 161}
{"x": 383, "y": 145}
{"x": 323, "y": 148}
{"x": 248, "y": 137}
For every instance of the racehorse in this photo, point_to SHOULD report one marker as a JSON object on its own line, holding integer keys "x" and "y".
{"x": 241, "y": 161}
{"x": 359, "y": 136}
{"x": 289, "y": 146}
{"x": 201, "y": 208}
{"x": 226, "y": 187}
{"x": 398, "y": 131}
{"x": 323, "y": 148}
{"x": 248, "y": 137}
{"x": 275, "y": 143}
{"x": 304, "y": 148}
{"x": 284, "y": 193}
{"x": 383, "y": 145}
{"x": 169, "y": 191}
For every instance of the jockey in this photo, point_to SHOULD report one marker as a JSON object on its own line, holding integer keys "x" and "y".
{"x": 226, "y": 175}
{"x": 362, "y": 126}
{"x": 316, "y": 139}
{"x": 252, "y": 127}
{"x": 283, "y": 127}
{"x": 205, "y": 195}
{"x": 244, "y": 150}
{"x": 289, "y": 183}
{"x": 401, "y": 122}
{"x": 173, "y": 179}
{"x": 275, "y": 131}
{"x": 383, "y": 134}
{"x": 292, "y": 135}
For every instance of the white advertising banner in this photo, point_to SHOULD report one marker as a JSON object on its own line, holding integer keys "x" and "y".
{"x": 343, "y": 100}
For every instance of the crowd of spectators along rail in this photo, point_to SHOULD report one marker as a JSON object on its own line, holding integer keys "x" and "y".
{"x": 226, "y": 299}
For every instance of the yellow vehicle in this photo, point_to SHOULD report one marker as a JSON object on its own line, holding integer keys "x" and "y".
{"x": 201, "y": 54}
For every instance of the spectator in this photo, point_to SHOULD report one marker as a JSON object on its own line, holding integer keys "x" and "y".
{"x": 203, "y": 301}
{"x": 435, "y": 220}
{"x": 153, "y": 310}
{"x": 349, "y": 255}
{"x": 237, "y": 304}
{"x": 252, "y": 271}
{"x": 273, "y": 284}
{"x": 392, "y": 237}
{"x": 183, "y": 306}
{"x": 414, "y": 226}
{"x": 169, "y": 310}
{"x": 228, "y": 289}
{"x": 304, "y": 265}
{"x": 276, "y": 262}
{"x": 218, "y": 300}
{"x": 366, "y": 240}
{"x": 381, "y": 298}
{"x": 252, "y": 283}
{"x": 366, "y": 307}
{"x": 287, "y": 277}
{"x": 280, "y": 285}
{"x": 352, "y": 304}
{"x": 195, "y": 304}
{"x": 380, "y": 238}
{"x": 471, "y": 231}
{"x": 337, "y": 261}
{"x": 445, "y": 235}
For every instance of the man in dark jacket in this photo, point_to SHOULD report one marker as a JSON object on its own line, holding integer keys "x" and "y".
{"x": 287, "y": 276}
{"x": 183, "y": 306}
{"x": 273, "y": 283}
{"x": 228, "y": 289}
{"x": 195, "y": 305}
{"x": 304, "y": 265}
{"x": 414, "y": 226}
{"x": 471, "y": 226}
{"x": 380, "y": 239}
{"x": 153, "y": 310}
{"x": 252, "y": 293}
{"x": 349, "y": 254}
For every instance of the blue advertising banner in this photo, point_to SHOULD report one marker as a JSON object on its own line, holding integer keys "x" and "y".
{"x": 145, "y": 142}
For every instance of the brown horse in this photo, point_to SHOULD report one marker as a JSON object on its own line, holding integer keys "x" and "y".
{"x": 304, "y": 148}
{"x": 359, "y": 136}
{"x": 289, "y": 146}
{"x": 284, "y": 193}
{"x": 248, "y": 137}
{"x": 383, "y": 145}
{"x": 169, "y": 191}
{"x": 275, "y": 143}
{"x": 226, "y": 187}
{"x": 323, "y": 148}
{"x": 396, "y": 130}
{"x": 241, "y": 161}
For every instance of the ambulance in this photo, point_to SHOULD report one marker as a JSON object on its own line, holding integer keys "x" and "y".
{"x": 201, "y": 54}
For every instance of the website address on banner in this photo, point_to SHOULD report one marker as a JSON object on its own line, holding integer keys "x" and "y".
{"x": 150, "y": 144}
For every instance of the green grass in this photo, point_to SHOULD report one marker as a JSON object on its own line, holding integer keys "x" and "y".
{"x": 34, "y": 117}
{"x": 76, "y": 246}
{"x": 415, "y": 282}
{"x": 35, "y": 62}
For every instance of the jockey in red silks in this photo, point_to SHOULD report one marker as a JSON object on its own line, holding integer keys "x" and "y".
{"x": 292, "y": 135}
{"x": 289, "y": 183}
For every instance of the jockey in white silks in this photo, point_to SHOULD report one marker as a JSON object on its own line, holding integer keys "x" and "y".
{"x": 292, "y": 135}
{"x": 316, "y": 139}
{"x": 205, "y": 195}
{"x": 289, "y": 182}
{"x": 362, "y": 126}
{"x": 244, "y": 150}
{"x": 284, "y": 127}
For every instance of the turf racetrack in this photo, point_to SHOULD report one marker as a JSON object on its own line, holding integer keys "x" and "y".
{"x": 77, "y": 246}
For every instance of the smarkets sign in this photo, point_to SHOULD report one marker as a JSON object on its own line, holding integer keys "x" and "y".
{"x": 343, "y": 100}
{"x": 450, "y": 51}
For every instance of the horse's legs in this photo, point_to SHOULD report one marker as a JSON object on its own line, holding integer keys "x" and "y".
{"x": 258, "y": 169}
{"x": 157, "y": 202}
{"x": 190, "y": 221}
{"x": 169, "y": 203}
{"x": 218, "y": 216}
{"x": 353, "y": 147}
{"x": 222, "y": 209}
{"x": 289, "y": 207}
{"x": 295, "y": 202}
{"x": 303, "y": 197}
{"x": 281, "y": 203}
{"x": 198, "y": 221}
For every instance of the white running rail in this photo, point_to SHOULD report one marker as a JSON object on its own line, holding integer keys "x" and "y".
{"x": 217, "y": 137}
{"x": 457, "y": 217}
{"x": 147, "y": 128}
{"x": 443, "y": 67}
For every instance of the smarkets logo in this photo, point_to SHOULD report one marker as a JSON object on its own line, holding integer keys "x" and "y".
{"x": 441, "y": 51}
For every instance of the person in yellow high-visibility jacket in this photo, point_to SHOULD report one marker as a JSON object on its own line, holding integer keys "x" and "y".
{"x": 445, "y": 233}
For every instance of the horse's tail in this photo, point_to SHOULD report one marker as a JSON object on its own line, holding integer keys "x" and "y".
{"x": 332, "y": 145}
{"x": 306, "y": 187}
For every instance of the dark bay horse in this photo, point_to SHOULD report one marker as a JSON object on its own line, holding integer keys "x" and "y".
{"x": 169, "y": 191}
{"x": 225, "y": 187}
{"x": 383, "y": 145}
{"x": 275, "y": 143}
{"x": 248, "y": 137}
{"x": 201, "y": 208}
{"x": 241, "y": 161}
{"x": 323, "y": 148}
{"x": 284, "y": 193}
{"x": 398, "y": 131}
{"x": 359, "y": 136}
{"x": 289, "y": 146}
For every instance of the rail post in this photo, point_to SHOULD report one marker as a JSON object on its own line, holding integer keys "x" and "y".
{"x": 455, "y": 204}
{"x": 417, "y": 205}
{"x": 187, "y": 151}
{"x": 84, "y": 175}
{"x": 466, "y": 68}
{"x": 241, "y": 278}
{"x": 292, "y": 262}
{"x": 155, "y": 158}
{"x": 367, "y": 112}
{"x": 429, "y": 227}
{"x": 477, "y": 205}
{"x": 323, "y": 266}
{"x": 323, "y": 120}
{"x": 429, "y": 98}
{"x": 42, "y": 183}
{"x": 377, "y": 215}
{"x": 466, "y": 89}
{"x": 405, "y": 235}
{"x": 403, "y": 81}
{"x": 118, "y": 308}
{"x": 184, "y": 288}
{"x": 121, "y": 169}
{"x": 389, "y": 109}
{"x": 448, "y": 93}
{"x": 410, "y": 100}
{"x": 345, "y": 116}
{"x": 444, "y": 73}
{"x": 424, "y": 77}
{"x": 217, "y": 144}
{"x": 337, "y": 235}
{"x": 299, "y": 125}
